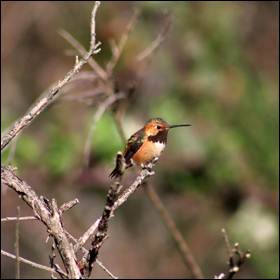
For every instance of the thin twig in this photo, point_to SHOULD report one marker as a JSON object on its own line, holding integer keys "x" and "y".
{"x": 82, "y": 51}
{"x": 228, "y": 246}
{"x": 85, "y": 251}
{"x": 96, "y": 117}
{"x": 33, "y": 264}
{"x": 236, "y": 258}
{"x": 182, "y": 245}
{"x": 53, "y": 93}
{"x": 92, "y": 26}
{"x": 32, "y": 218}
{"x": 156, "y": 43}
{"x": 68, "y": 205}
{"x": 49, "y": 214}
{"x": 17, "y": 245}
{"x": 27, "y": 218}
{"x": 106, "y": 269}
{"x": 120, "y": 127}
{"x": 118, "y": 49}
{"x": 83, "y": 239}
{"x": 63, "y": 208}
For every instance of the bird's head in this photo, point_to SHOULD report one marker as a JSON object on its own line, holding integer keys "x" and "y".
{"x": 157, "y": 125}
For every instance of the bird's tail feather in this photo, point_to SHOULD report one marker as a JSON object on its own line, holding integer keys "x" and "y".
{"x": 120, "y": 166}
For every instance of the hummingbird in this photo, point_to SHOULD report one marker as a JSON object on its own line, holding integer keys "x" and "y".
{"x": 144, "y": 145}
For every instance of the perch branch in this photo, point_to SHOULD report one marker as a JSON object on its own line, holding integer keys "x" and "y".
{"x": 102, "y": 228}
{"x": 45, "y": 100}
{"x": 182, "y": 245}
{"x": 145, "y": 173}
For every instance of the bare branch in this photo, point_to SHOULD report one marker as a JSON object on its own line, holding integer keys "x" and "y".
{"x": 82, "y": 51}
{"x": 118, "y": 49}
{"x": 228, "y": 246}
{"x": 55, "y": 266}
{"x": 83, "y": 239}
{"x": 236, "y": 258}
{"x": 17, "y": 245}
{"x": 145, "y": 173}
{"x": 101, "y": 234}
{"x": 45, "y": 100}
{"x": 32, "y": 218}
{"x": 33, "y": 264}
{"x": 28, "y": 218}
{"x": 106, "y": 269}
{"x": 96, "y": 117}
{"x": 182, "y": 245}
{"x": 92, "y": 26}
{"x": 68, "y": 205}
{"x": 156, "y": 43}
{"x": 97, "y": 260}
{"x": 48, "y": 214}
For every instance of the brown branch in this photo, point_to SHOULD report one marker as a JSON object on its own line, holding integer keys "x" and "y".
{"x": 182, "y": 245}
{"x": 49, "y": 214}
{"x": 55, "y": 266}
{"x": 68, "y": 205}
{"x": 148, "y": 51}
{"x": 85, "y": 251}
{"x": 17, "y": 245}
{"x": 82, "y": 51}
{"x": 102, "y": 228}
{"x": 145, "y": 173}
{"x": 32, "y": 218}
{"x": 118, "y": 49}
{"x": 33, "y": 264}
{"x": 45, "y": 100}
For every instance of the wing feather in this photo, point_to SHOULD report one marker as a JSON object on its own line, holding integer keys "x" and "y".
{"x": 133, "y": 145}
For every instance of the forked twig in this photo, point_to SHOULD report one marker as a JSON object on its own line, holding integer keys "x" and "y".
{"x": 33, "y": 264}
{"x": 236, "y": 258}
{"x": 45, "y": 100}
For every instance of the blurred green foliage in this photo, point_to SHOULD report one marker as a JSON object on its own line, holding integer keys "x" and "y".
{"x": 217, "y": 70}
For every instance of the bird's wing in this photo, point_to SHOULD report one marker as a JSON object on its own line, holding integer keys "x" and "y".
{"x": 133, "y": 145}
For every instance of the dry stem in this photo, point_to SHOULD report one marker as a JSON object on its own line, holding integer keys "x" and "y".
{"x": 45, "y": 100}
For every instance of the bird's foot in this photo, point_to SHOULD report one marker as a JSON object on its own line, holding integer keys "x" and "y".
{"x": 149, "y": 166}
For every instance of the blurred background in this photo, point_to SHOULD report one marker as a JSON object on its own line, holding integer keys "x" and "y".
{"x": 217, "y": 69}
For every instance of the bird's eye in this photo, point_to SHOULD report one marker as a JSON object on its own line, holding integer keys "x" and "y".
{"x": 158, "y": 127}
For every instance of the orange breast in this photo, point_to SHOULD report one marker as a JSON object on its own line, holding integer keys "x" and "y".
{"x": 147, "y": 152}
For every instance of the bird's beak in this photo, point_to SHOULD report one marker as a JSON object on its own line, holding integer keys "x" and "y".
{"x": 179, "y": 125}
